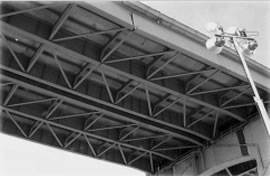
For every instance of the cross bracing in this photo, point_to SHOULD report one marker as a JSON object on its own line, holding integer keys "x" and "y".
{"x": 75, "y": 79}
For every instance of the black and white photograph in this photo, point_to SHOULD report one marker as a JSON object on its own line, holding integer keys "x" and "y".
{"x": 135, "y": 88}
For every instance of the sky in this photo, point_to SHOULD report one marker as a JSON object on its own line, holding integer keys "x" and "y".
{"x": 24, "y": 158}
{"x": 20, "y": 157}
{"x": 251, "y": 15}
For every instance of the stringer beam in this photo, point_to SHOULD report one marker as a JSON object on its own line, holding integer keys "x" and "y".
{"x": 79, "y": 99}
{"x": 74, "y": 115}
{"x": 30, "y": 10}
{"x": 88, "y": 34}
{"x": 10, "y": 29}
{"x": 181, "y": 75}
{"x": 112, "y": 127}
{"x": 68, "y": 128}
{"x": 218, "y": 90}
{"x": 32, "y": 102}
{"x": 136, "y": 57}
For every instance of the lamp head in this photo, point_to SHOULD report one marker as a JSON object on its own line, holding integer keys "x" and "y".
{"x": 215, "y": 44}
{"x": 249, "y": 46}
{"x": 214, "y": 28}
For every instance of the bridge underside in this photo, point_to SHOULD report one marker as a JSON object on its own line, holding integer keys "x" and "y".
{"x": 75, "y": 79}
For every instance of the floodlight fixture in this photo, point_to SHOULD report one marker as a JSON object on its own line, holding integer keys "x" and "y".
{"x": 215, "y": 44}
{"x": 244, "y": 45}
{"x": 249, "y": 47}
{"x": 214, "y": 28}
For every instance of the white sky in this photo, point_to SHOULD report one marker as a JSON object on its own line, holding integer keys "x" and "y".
{"x": 251, "y": 15}
{"x": 20, "y": 157}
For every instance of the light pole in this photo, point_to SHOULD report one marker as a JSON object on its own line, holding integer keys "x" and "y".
{"x": 217, "y": 43}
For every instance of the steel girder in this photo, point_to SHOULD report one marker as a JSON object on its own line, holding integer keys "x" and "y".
{"x": 111, "y": 110}
{"x": 61, "y": 51}
{"x": 69, "y": 93}
{"x": 102, "y": 66}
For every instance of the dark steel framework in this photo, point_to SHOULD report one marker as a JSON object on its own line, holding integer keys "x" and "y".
{"x": 73, "y": 79}
{"x": 241, "y": 169}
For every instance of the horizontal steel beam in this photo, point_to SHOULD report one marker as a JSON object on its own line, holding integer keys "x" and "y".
{"x": 73, "y": 115}
{"x": 136, "y": 57}
{"x": 64, "y": 52}
{"x": 174, "y": 148}
{"x": 144, "y": 138}
{"x": 32, "y": 102}
{"x": 101, "y": 106}
{"x": 181, "y": 75}
{"x": 71, "y": 129}
{"x": 243, "y": 105}
{"x": 88, "y": 34}
{"x": 218, "y": 90}
{"x": 112, "y": 127}
{"x": 31, "y": 9}
{"x": 179, "y": 37}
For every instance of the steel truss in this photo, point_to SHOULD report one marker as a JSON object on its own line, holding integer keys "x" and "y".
{"x": 98, "y": 65}
{"x": 98, "y": 110}
{"x": 75, "y": 133}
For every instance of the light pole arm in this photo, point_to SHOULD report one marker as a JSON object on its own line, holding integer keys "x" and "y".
{"x": 257, "y": 99}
